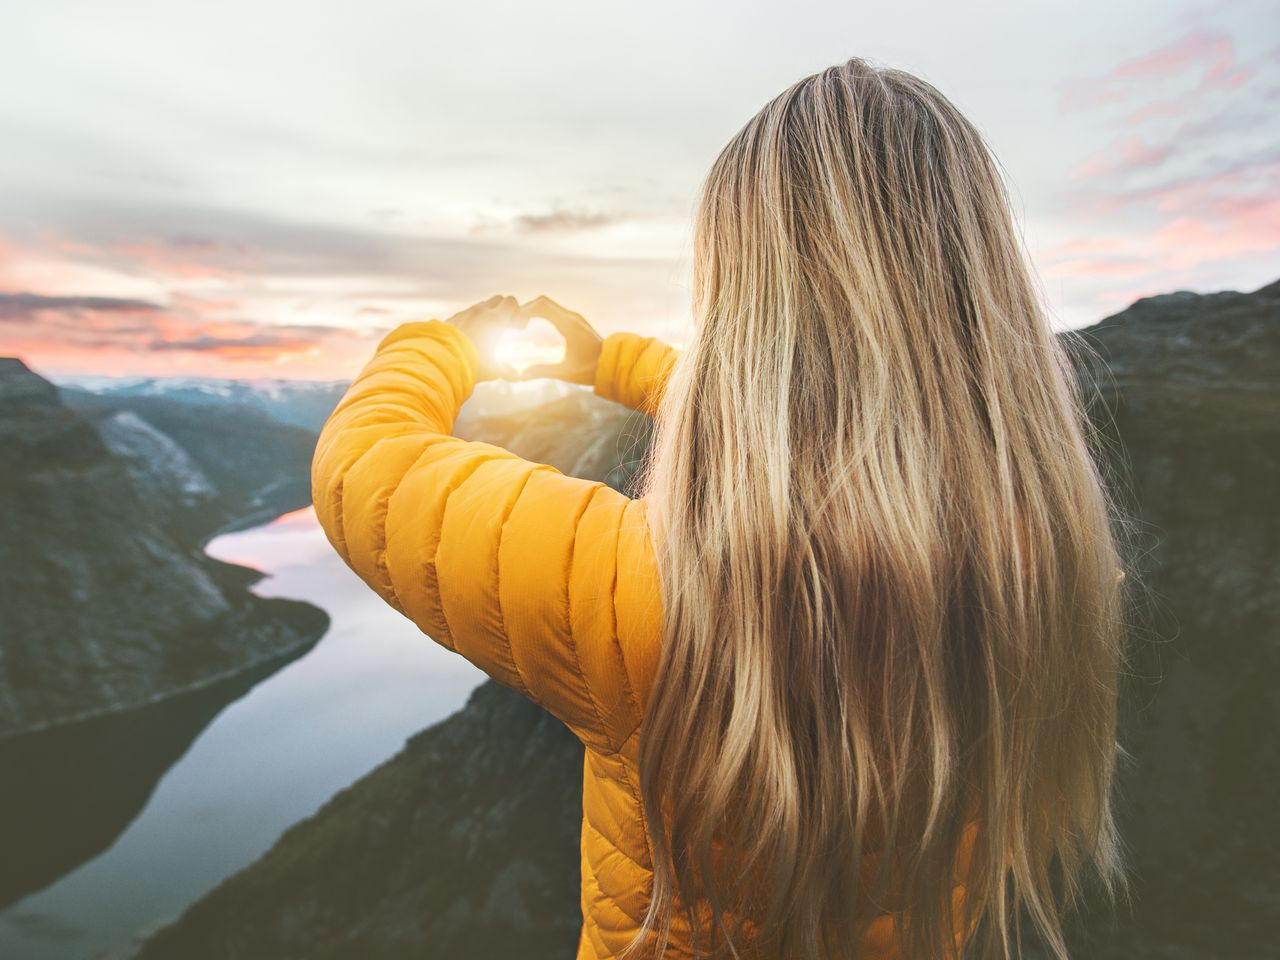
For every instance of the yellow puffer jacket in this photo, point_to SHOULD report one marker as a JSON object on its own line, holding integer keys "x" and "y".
{"x": 546, "y": 582}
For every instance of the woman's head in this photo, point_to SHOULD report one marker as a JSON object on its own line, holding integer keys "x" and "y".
{"x": 888, "y": 562}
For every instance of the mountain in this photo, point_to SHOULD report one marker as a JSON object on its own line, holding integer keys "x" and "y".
{"x": 206, "y": 467}
{"x": 301, "y": 403}
{"x": 110, "y": 607}
{"x": 574, "y": 431}
{"x": 431, "y": 854}
{"x": 464, "y": 844}
{"x": 1191, "y": 401}
{"x": 105, "y": 605}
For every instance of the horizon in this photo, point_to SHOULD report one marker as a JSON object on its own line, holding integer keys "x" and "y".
{"x": 79, "y": 378}
{"x": 164, "y": 216}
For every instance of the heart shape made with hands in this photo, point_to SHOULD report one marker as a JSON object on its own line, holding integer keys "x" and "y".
{"x": 570, "y": 352}
{"x": 537, "y": 341}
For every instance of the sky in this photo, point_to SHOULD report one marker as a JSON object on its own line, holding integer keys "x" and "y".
{"x": 263, "y": 189}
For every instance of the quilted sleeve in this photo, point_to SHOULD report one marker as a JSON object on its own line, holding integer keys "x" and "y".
{"x": 509, "y": 563}
{"x": 633, "y": 370}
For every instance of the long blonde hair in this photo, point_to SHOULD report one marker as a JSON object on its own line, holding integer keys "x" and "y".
{"x": 888, "y": 558}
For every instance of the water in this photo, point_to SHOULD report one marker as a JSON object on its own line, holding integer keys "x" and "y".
{"x": 264, "y": 761}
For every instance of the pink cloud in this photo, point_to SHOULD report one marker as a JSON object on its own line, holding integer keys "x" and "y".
{"x": 179, "y": 256}
{"x": 186, "y": 301}
{"x": 175, "y": 258}
{"x": 1123, "y": 156}
{"x": 1200, "y": 227}
{"x": 1252, "y": 180}
{"x": 1239, "y": 228}
{"x": 1108, "y": 301}
{"x": 1225, "y": 194}
{"x": 1195, "y": 224}
{"x": 1098, "y": 268}
{"x": 105, "y": 334}
{"x": 1175, "y": 57}
{"x": 1158, "y": 109}
{"x": 1085, "y": 93}
{"x": 1209, "y": 50}
{"x": 56, "y": 326}
{"x": 1084, "y": 247}
{"x": 7, "y": 258}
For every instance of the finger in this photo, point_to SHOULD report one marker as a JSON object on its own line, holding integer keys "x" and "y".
{"x": 542, "y": 306}
{"x": 571, "y": 314}
{"x": 463, "y": 318}
{"x": 482, "y": 306}
{"x": 504, "y": 311}
{"x": 571, "y": 317}
{"x": 565, "y": 321}
{"x": 544, "y": 302}
{"x": 488, "y": 324}
{"x": 510, "y": 308}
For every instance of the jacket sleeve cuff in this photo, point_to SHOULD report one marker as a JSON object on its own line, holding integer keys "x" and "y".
{"x": 633, "y": 370}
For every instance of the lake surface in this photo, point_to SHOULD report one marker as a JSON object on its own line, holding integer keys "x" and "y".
{"x": 266, "y": 760}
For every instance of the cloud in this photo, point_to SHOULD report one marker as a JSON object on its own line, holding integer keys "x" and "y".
{"x": 1121, "y": 157}
{"x": 1186, "y": 232}
{"x": 558, "y": 220}
{"x": 176, "y": 288}
{"x": 268, "y": 344}
{"x": 1187, "y": 193}
{"x": 563, "y": 221}
{"x": 50, "y": 327}
{"x": 1099, "y": 268}
{"x": 1210, "y": 51}
{"x": 182, "y": 241}
{"x": 230, "y": 264}
{"x": 25, "y": 306}
{"x": 1250, "y": 179}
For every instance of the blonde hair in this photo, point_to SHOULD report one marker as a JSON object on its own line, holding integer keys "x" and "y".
{"x": 888, "y": 559}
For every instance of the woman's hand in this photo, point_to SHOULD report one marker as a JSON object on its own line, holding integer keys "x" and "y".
{"x": 581, "y": 343}
{"x": 485, "y": 323}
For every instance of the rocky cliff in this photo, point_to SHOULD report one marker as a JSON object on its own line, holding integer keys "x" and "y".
{"x": 1190, "y": 398}
{"x": 111, "y": 612}
{"x": 105, "y": 605}
{"x": 464, "y": 844}
{"x": 203, "y": 467}
{"x": 577, "y": 433}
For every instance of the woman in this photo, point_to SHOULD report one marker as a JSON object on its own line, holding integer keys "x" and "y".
{"x": 846, "y": 670}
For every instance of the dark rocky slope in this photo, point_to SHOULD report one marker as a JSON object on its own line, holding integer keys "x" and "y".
{"x": 207, "y": 467}
{"x": 464, "y": 844}
{"x": 578, "y": 434}
{"x": 109, "y": 607}
{"x": 105, "y": 605}
{"x": 1194, "y": 386}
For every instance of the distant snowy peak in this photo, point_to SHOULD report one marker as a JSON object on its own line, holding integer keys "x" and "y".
{"x": 303, "y": 403}
{"x": 215, "y": 386}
